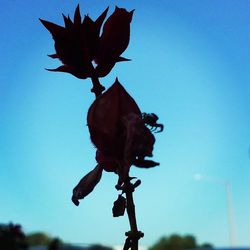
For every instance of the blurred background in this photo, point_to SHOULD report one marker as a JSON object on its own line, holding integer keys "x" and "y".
{"x": 190, "y": 66}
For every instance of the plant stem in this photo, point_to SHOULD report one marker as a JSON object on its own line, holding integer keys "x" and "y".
{"x": 134, "y": 234}
{"x": 97, "y": 87}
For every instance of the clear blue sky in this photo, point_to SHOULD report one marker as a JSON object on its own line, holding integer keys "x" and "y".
{"x": 190, "y": 65}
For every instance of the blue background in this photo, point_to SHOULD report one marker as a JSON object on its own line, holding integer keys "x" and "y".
{"x": 190, "y": 65}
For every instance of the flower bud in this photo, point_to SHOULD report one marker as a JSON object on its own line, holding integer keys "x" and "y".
{"x": 119, "y": 206}
{"x": 86, "y": 184}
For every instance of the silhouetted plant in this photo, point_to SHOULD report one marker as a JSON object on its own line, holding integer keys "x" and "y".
{"x": 118, "y": 129}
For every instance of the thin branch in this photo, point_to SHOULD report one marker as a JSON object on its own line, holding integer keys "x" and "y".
{"x": 134, "y": 235}
{"x": 97, "y": 87}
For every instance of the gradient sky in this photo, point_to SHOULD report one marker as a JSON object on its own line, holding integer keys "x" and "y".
{"x": 190, "y": 65}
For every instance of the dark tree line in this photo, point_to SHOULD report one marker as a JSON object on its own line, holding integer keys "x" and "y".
{"x": 12, "y": 237}
{"x": 178, "y": 242}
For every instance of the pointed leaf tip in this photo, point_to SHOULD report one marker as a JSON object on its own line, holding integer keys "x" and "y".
{"x": 62, "y": 68}
{"x": 67, "y": 21}
{"x": 77, "y": 16}
{"x": 51, "y": 70}
{"x": 122, "y": 59}
{"x": 75, "y": 201}
{"x": 53, "y": 28}
{"x": 54, "y": 56}
{"x": 101, "y": 18}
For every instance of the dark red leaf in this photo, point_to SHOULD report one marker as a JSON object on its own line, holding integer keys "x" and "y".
{"x": 116, "y": 34}
{"x": 105, "y": 116}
